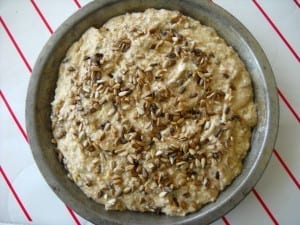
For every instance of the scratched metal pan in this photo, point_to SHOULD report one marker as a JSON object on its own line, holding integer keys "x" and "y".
{"x": 41, "y": 91}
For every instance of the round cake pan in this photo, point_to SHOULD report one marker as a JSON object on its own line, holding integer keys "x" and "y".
{"x": 43, "y": 82}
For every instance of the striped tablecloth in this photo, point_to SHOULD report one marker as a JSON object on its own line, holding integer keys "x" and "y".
{"x": 26, "y": 25}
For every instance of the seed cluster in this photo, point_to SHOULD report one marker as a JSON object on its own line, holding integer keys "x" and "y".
{"x": 152, "y": 130}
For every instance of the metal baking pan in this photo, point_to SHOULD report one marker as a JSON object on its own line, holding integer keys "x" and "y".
{"x": 43, "y": 82}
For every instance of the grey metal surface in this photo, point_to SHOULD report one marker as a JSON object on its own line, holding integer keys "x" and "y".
{"x": 41, "y": 92}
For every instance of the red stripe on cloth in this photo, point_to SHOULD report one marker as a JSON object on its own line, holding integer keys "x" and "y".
{"x": 42, "y": 16}
{"x": 297, "y": 3}
{"x": 284, "y": 165}
{"x": 290, "y": 107}
{"x": 77, "y": 222}
{"x": 226, "y": 222}
{"x": 11, "y": 37}
{"x": 11, "y": 188}
{"x": 13, "y": 115}
{"x": 77, "y": 3}
{"x": 277, "y": 30}
{"x": 265, "y": 207}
